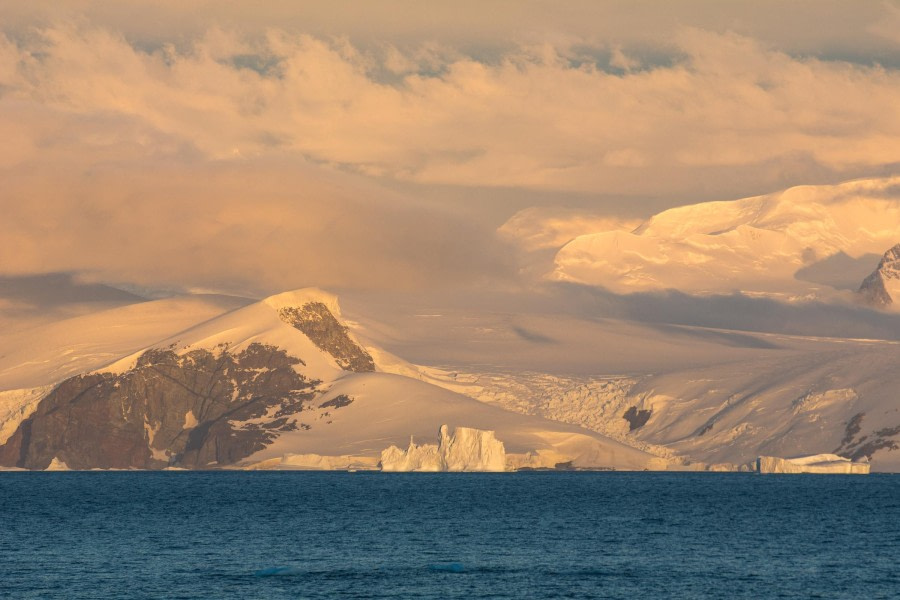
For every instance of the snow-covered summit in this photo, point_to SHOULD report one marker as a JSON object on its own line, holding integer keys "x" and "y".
{"x": 300, "y": 297}
{"x": 882, "y": 287}
{"x": 764, "y": 244}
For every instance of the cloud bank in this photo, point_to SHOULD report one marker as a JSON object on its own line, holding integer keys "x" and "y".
{"x": 245, "y": 150}
{"x": 544, "y": 116}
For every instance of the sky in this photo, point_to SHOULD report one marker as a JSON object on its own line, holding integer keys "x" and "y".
{"x": 255, "y": 147}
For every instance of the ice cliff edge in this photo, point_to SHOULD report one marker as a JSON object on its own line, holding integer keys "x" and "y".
{"x": 466, "y": 449}
{"x": 818, "y": 463}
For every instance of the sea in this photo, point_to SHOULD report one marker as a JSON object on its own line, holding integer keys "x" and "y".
{"x": 519, "y": 535}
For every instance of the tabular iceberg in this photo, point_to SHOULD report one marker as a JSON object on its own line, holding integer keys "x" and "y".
{"x": 466, "y": 449}
{"x": 818, "y": 463}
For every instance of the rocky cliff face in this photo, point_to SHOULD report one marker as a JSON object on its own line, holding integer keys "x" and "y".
{"x": 326, "y": 332}
{"x": 882, "y": 287}
{"x": 466, "y": 449}
{"x": 196, "y": 410}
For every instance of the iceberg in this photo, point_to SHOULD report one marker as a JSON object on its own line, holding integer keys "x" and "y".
{"x": 817, "y": 463}
{"x": 466, "y": 449}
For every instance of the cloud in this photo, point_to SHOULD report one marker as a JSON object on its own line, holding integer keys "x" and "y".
{"x": 535, "y": 118}
{"x": 249, "y": 228}
{"x": 805, "y": 27}
{"x": 227, "y": 151}
{"x": 546, "y": 228}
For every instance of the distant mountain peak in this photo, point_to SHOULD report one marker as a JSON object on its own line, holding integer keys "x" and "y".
{"x": 892, "y": 256}
{"x": 882, "y": 286}
{"x": 757, "y": 246}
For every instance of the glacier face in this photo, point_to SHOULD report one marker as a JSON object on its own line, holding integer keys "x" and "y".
{"x": 466, "y": 449}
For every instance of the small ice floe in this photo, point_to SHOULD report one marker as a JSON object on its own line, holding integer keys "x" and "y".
{"x": 273, "y": 571}
{"x": 447, "y": 568}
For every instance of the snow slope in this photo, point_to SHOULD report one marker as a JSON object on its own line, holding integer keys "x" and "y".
{"x": 760, "y": 245}
{"x": 33, "y": 360}
{"x": 802, "y": 396}
{"x": 708, "y": 395}
{"x": 387, "y": 409}
{"x": 49, "y": 353}
{"x": 841, "y": 399}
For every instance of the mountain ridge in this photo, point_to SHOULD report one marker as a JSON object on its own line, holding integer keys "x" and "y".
{"x": 754, "y": 245}
{"x": 256, "y": 385}
{"x": 882, "y": 287}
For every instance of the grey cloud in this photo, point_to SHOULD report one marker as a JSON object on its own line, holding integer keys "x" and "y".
{"x": 802, "y": 26}
{"x": 532, "y": 336}
{"x": 53, "y": 290}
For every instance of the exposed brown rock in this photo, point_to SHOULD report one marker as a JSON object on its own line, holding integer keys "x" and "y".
{"x": 873, "y": 290}
{"x": 338, "y": 401}
{"x": 168, "y": 410}
{"x": 326, "y": 332}
{"x": 636, "y": 418}
{"x": 867, "y": 445}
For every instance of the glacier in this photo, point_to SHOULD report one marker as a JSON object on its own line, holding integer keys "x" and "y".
{"x": 466, "y": 449}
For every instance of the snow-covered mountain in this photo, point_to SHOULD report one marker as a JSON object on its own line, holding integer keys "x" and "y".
{"x": 288, "y": 382}
{"x": 882, "y": 287}
{"x": 280, "y": 383}
{"x": 802, "y": 242}
{"x": 711, "y": 396}
{"x": 787, "y": 397}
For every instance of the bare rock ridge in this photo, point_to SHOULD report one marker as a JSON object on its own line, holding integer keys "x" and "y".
{"x": 879, "y": 288}
{"x": 200, "y": 409}
{"x": 862, "y": 447}
{"x": 317, "y": 322}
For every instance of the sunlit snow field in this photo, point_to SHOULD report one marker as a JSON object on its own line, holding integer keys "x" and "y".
{"x": 518, "y": 535}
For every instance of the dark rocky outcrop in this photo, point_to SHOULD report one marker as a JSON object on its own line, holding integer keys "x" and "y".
{"x": 339, "y": 401}
{"x": 329, "y": 335}
{"x": 857, "y": 448}
{"x": 636, "y": 418}
{"x": 185, "y": 410}
{"x": 874, "y": 289}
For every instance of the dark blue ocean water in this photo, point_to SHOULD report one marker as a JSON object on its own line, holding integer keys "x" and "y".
{"x": 518, "y": 535}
